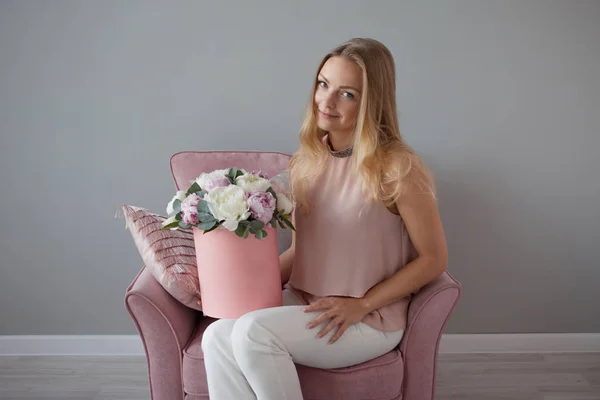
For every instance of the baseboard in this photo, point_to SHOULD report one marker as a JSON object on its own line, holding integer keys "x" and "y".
{"x": 520, "y": 343}
{"x": 106, "y": 345}
{"x": 92, "y": 345}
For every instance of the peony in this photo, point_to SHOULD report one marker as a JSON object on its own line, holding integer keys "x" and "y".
{"x": 252, "y": 183}
{"x": 284, "y": 204}
{"x": 228, "y": 204}
{"x": 179, "y": 196}
{"x": 262, "y": 206}
{"x": 189, "y": 209}
{"x": 204, "y": 177}
{"x": 217, "y": 181}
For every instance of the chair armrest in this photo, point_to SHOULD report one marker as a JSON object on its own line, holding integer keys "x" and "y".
{"x": 165, "y": 326}
{"x": 428, "y": 313}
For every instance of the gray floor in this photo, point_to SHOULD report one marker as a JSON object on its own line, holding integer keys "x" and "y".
{"x": 460, "y": 377}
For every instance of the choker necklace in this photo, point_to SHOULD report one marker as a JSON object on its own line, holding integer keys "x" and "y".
{"x": 340, "y": 153}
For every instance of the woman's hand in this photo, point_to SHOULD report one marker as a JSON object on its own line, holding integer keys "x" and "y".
{"x": 340, "y": 311}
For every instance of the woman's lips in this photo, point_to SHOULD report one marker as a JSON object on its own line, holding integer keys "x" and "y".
{"x": 325, "y": 115}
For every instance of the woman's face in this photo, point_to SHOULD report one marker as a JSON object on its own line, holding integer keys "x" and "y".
{"x": 337, "y": 97}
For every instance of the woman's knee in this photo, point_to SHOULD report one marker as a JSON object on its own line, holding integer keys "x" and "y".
{"x": 215, "y": 334}
{"x": 244, "y": 328}
{"x": 250, "y": 333}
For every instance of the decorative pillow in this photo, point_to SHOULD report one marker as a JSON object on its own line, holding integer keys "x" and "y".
{"x": 169, "y": 255}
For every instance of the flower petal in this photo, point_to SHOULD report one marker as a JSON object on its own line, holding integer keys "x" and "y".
{"x": 230, "y": 225}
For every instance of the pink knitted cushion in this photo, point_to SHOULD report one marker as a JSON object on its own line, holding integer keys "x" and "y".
{"x": 170, "y": 256}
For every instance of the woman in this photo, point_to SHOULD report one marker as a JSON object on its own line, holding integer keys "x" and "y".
{"x": 368, "y": 236}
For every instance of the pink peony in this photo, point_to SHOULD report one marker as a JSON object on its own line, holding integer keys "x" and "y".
{"x": 189, "y": 209}
{"x": 217, "y": 181}
{"x": 262, "y": 206}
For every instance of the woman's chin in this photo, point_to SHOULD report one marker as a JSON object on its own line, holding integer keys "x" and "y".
{"x": 325, "y": 125}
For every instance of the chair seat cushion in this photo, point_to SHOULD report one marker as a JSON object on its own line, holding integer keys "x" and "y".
{"x": 380, "y": 378}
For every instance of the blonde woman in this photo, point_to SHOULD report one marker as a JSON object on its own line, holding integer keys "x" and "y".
{"x": 368, "y": 236}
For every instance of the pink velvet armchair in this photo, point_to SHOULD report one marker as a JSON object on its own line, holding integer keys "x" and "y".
{"x": 172, "y": 333}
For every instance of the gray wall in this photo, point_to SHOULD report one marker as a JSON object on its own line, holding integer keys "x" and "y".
{"x": 502, "y": 99}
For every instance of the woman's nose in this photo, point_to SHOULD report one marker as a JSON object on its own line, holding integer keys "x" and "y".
{"x": 329, "y": 100}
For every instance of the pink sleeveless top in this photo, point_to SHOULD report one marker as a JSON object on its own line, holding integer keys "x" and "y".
{"x": 347, "y": 245}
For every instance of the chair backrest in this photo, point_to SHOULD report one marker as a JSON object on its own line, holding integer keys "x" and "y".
{"x": 188, "y": 165}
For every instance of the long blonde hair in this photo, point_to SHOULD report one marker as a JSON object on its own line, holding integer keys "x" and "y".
{"x": 380, "y": 154}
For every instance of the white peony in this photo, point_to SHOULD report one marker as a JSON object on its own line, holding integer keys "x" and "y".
{"x": 205, "y": 177}
{"x": 179, "y": 196}
{"x": 252, "y": 183}
{"x": 284, "y": 204}
{"x": 168, "y": 221}
{"x": 228, "y": 204}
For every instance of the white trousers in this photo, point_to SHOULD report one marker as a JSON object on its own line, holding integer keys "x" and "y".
{"x": 253, "y": 357}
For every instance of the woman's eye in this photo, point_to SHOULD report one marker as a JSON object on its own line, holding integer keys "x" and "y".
{"x": 348, "y": 95}
{"x": 322, "y": 84}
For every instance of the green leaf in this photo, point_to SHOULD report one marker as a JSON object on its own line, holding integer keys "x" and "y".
{"x": 204, "y": 226}
{"x": 177, "y": 206}
{"x": 178, "y": 216}
{"x": 288, "y": 223}
{"x": 242, "y": 230}
{"x": 261, "y": 234}
{"x": 204, "y": 213}
{"x": 273, "y": 222}
{"x": 202, "y": 193}
{"x": 239, "y": 173}
{"x": 213, "y": 228}
{"x": 193, "y": 189}
{"x": 275, "y": 219}
{"x": 171, "y": 225}
{"x": 184, "y": 225}
{"x": 205, "y": 217}
{"x": 270, "y": 190}
{"x": 256, "y": 226}
{"x": 245, "y": 223}
{"x": 281, "y": 224}
{"x": 203, "y": 207}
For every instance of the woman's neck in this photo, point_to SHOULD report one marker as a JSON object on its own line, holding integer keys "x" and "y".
{"x": 340, "y": 140}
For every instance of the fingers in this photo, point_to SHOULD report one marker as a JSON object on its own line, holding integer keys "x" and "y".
{"x": 334, "y": 322}
{"x": 320, "y": 319}
{"x": 321, "y": 304}
{"x": 339, "y": 333}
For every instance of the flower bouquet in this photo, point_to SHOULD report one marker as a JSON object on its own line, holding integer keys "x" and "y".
{"x": 234, "y": 215}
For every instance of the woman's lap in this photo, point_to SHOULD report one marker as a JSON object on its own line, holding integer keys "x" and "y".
{"x": 287, "y": 324}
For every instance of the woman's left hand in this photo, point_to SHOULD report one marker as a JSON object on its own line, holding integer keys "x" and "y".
{"x": 341, "y": 311}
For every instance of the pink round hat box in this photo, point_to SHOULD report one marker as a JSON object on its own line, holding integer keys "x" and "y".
{"x": 237, "y": 275}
